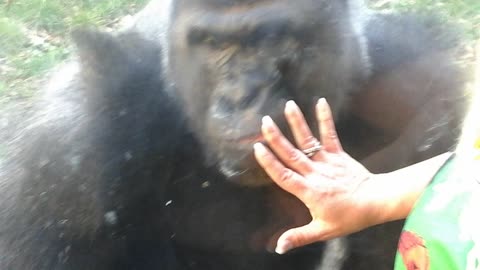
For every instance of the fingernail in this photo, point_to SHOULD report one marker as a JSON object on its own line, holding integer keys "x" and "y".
{"x": 259, "y": 148}
{"x": 291, "y": 106}
{"x": 283, "y": 247}
{"x": 322, "y": 101}
{"x": 322, "y": 105}
{"x": 267, "y": 121}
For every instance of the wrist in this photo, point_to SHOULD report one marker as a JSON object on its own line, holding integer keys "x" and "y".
{"x": 381, "y": 201}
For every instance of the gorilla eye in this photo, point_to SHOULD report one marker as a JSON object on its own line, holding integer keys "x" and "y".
{"x": 201, "y": 37}
{"x": 210, "y": 40}
{"x": 274, "y": 31}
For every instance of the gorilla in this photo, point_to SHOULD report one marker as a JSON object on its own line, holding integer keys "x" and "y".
{"x": 138, "y": 155}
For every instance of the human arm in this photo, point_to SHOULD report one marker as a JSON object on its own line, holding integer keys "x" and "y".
{"x": 342, "y": 196}
{"x": 394, "y": 194}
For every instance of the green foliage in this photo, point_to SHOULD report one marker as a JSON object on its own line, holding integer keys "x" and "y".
{"x": 12, "y": 38}
{"x": 39, "y": 14}
{"x": 34, "y": 35}
{"x": 465, "y": 13}
{"x": 23, "y": 57}
{"x": 3, "y": 87}
{"x": 59, "y": 16}
{"x": 37, "y": 62}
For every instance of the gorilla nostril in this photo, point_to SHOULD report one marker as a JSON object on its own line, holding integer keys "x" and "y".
{"x": 283, "y": 65}
{"x": 255, "y": 83}
{"x": 249, "y": 98}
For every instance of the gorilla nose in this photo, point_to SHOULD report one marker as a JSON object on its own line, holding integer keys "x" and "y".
{"x": 254, "y": 86}
{"x": 245, "y": 92}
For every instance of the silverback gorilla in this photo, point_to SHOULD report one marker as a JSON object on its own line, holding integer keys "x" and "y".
{"x": 142, "y": 158}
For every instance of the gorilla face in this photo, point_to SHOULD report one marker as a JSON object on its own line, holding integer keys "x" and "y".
{"x": 234, "y": 61}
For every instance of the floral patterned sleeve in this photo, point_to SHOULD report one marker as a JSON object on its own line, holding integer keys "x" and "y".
{"x": 443, "y": 229}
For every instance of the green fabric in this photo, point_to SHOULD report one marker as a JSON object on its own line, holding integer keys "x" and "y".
{"x": 442, "y": 231}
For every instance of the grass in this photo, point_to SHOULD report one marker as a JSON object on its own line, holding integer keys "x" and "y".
{"x": 28, "y": 65}
{"x": 12, "y": 39}
{"x": 34, "y": 33}
{"x": 34, "y": 36}
{"x": 59, "y": 16}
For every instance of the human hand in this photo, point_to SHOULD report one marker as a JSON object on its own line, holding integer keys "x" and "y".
{"x": 329, "y": 183}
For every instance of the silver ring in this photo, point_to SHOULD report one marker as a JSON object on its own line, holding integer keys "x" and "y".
{"x": 310, "y": 152}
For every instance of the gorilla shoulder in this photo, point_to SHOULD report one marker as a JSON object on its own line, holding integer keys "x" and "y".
{"x": 87, "y": 170}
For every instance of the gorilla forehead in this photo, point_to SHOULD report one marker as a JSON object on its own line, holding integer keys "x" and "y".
{"x": 228, "y": 15}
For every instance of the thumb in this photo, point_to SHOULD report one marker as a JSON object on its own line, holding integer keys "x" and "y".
{"x": 300, "y": 236}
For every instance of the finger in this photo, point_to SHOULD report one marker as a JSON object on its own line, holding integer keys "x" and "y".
{"x": 328, "y": 134}
{"x": 299, "y": 237}
{"x": 290, "y": 155}
{"x": 300, "y": 129}
{"x": 282, "y": 176}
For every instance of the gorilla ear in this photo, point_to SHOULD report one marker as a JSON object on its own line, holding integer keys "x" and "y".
{"x": 97, "y": 50}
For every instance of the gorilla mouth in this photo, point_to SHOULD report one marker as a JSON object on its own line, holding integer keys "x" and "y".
{"x": 237, "y": 163}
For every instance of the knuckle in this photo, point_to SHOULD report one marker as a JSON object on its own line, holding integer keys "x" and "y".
{"x": 300, "y": 239}
{"x": 294, "y": 156}
{"x": 286, "y": 175}
{"x": 297, "y": 118}
{"x": 332, "y": 135}
{"x": 274, "y": 138}
{"x": 326, "y": 117}
{"x": 268, "y": 160}
{"x": 265, "y": 158}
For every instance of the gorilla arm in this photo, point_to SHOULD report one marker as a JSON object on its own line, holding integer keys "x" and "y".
{"x": 416, "y": 96}
{"x": 86, "y": 180}
{"x": 420, "y": 105}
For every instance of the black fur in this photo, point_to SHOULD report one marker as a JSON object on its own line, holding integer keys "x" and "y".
{"x": 92, "y": 166}
{"x": 106, "y": 174}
